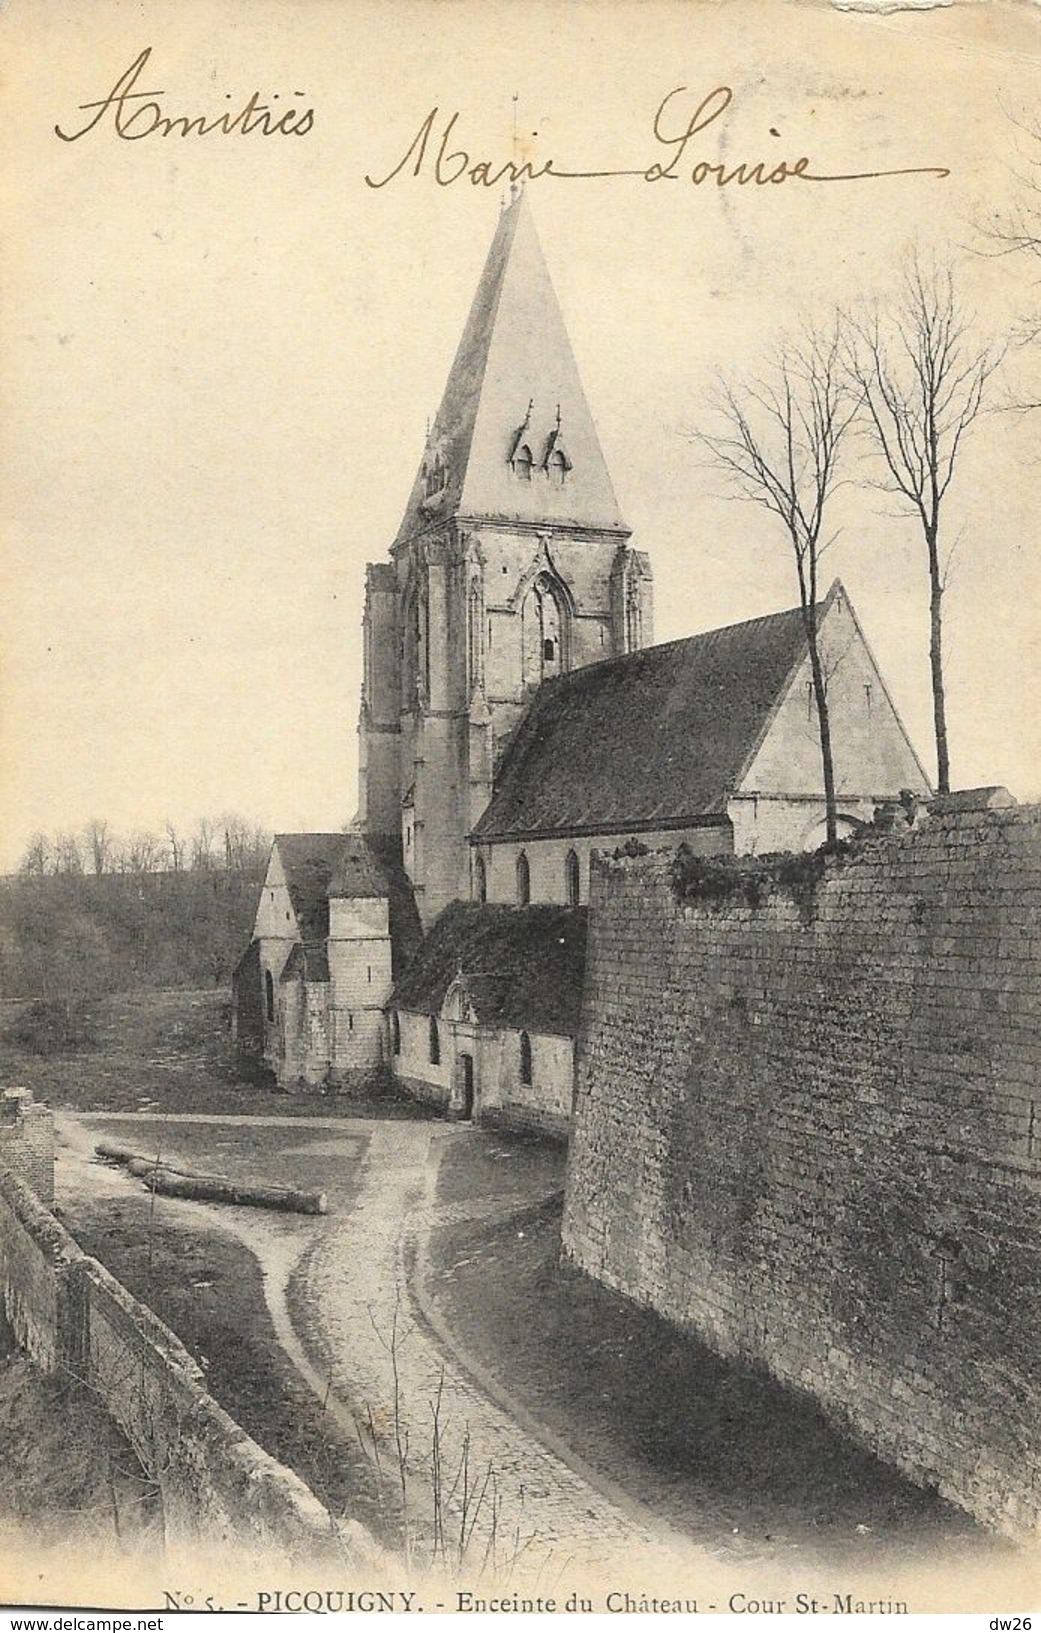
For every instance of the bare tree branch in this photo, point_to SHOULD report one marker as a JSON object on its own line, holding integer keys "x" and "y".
{"x": 777, "y": 442}
{"x": 923, "y": 378}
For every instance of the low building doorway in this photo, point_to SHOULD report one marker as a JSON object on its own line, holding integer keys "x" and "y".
{"x": 466, "y": 1064}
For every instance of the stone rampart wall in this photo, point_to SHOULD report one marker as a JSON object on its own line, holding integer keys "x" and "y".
{"x": 808, "y": 1128}
{"x": 217, "y": 1484}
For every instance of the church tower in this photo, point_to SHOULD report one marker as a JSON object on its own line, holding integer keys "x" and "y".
{"x": 512, "y": 565}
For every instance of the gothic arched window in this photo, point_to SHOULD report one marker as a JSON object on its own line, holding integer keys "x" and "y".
{"x": 395, "y": 1031}
{"x": 525, "y": 1058}
{"x": 435, "y": 1042}
{"x": 480, "y": 879}
{"x": 557, "y": 467}
{"x": 269, "y": 995}
{"x": 522, "y": 462}
{"x": 523, "y": 880}
{"x": 543, "y": 629}
{"x": 572, "y": 880}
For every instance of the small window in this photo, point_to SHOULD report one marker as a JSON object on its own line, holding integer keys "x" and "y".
{"x": 269, "y": 995}
{"x": 369, "y": 968}
{"x": 350, "y": 1022}
{"x": 523, "y": 880}
{"x": 522, "y": 462}
{"x": 548, "y": 649}
{"x": 480, "y": 879}
{"x": 557, "y": 467}
{"x": 572, "y": 880}
{"x": 435, "y": 1042}
{"x": 395, "y": 1032}
{"x": 525, "y": 1058}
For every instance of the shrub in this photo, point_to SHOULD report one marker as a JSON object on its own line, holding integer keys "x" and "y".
{"x": 54, "y": 1026}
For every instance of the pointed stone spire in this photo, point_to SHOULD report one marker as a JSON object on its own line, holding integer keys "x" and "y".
{"x": 514, "y": 352}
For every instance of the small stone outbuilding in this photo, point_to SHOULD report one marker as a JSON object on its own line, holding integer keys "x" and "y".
{"x": 484, "y": 1021}
{"x": 309, "y": 991}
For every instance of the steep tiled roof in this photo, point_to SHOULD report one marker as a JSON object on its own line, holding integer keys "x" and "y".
{"x": 513, "y": 371}
{"x": 318, "y": 866}
{"x": 522, "y": 966}
{"x": 357, "y": 872}
{"x": 310, "y": 962}
{"x": 658, "y": 736}
{"x": 248, "y": 966}
{"x": 405, "y": 929}
{"x": 308, "y": 861}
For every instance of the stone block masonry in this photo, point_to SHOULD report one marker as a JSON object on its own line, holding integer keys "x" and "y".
{"x": 27, "y": 1142}
{"x": 809, "y": 1130}
{"x": 218, "y": 1486}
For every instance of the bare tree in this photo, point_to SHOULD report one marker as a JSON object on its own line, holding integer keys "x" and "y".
{"x": 97, "y": 839}
{"x": 778, "y": 444}
{"x": 246, "y": 844}
{"x": 176, "y": 845}
{"x": 68, "y": 858}
{"x": 143, "y": 852}
{"x": 923, "y": 378}
{"x": 1017, "y": 233}
{"x": 202, "y": 845}
{"x": 37, "y": 858}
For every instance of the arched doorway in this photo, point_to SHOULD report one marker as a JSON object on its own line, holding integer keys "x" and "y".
{"x": 466, "y": 1082}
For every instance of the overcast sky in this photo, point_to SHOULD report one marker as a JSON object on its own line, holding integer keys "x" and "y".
{"x": 221, "y": 352}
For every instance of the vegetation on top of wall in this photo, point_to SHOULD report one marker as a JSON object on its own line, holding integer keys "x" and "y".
{"x": 713, "y": 880}
{"x": 632, "y": 847}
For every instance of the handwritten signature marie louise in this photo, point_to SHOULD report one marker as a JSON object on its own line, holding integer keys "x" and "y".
{"x": 433, "y": 151}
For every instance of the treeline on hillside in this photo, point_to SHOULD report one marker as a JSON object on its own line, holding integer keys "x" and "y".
{"x": 76, "y": 924}
{"x": 228, "y": 842}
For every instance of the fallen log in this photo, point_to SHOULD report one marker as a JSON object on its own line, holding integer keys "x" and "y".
{"x": 207, "y": 1188}
{"x": 165, "y": 1180}
{"x": 122, "y": 1153}
{"x": 139, "y": 1165}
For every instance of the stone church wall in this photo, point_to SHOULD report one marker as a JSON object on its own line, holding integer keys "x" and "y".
{"x": 765, "y": 823}
{"x": 424, "y": 1079}
{"x": 808, "y": 1131}
{"x": 547, "y": 859}
{"x": 501, "y": 1099}
{"x": 542, "y": 1106}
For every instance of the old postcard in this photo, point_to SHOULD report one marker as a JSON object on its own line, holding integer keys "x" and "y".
{"x": 519, "y": 1034}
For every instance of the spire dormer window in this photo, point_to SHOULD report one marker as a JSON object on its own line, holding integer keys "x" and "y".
{"x": 520, "y": 459}
{"x": 435, "y": 475}
{"x": 556, "y": 463}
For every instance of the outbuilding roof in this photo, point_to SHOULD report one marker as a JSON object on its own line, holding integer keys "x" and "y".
{"x": 660, "y": 736}
{"x": 307, "y": 962}
{"x": 320, "y": 865}
{"x": 308, "y": 861}
{"x": 522, "y": 967}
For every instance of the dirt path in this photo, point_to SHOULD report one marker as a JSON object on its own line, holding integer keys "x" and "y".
{"x": 346, "y": 1297}
{"x": 479, "y": 1482}
{"x": 482, "y": 1485}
